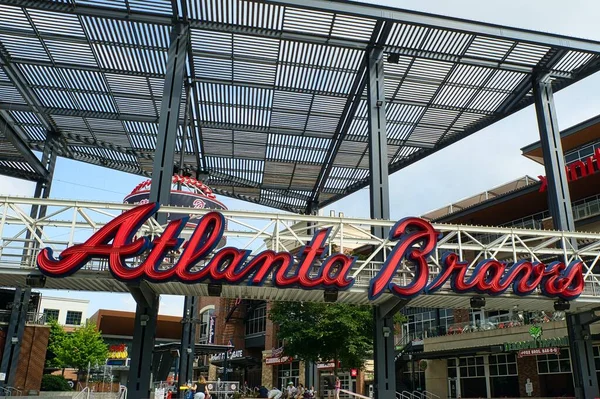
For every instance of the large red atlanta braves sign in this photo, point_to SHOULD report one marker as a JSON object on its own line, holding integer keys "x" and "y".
{"x": 416, "y": 240}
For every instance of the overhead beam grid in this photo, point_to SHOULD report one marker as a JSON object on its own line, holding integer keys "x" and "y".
{"x": 278, "y": 111}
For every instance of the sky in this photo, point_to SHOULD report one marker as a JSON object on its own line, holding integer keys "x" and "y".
{"x": 484, "y": 160}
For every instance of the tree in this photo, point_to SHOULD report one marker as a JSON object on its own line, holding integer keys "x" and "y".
{"x": 82, "y": 347}
{"x": 55, "y": 342}
{"x": 325, "y": 332}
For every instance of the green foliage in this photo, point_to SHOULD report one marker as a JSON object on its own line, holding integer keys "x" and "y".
{"x": 323, "y": 331}
{"x": 75, "y": 349}
{"x": 85, "y": 345}
{"x": 54, "y": 383}
{"x": 55, "y": 342}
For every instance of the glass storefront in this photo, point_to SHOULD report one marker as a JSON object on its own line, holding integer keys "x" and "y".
{"x": 288, "y": 372}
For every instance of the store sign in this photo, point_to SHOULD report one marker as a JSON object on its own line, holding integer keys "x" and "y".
{"x": 539, "y": 351}
{"x": 118, "y": 352}
{"x": 542, "y": 343}
{"x": 230, "y": 356}
{"x": 416, "y": 240}
{"x": 577, "y": 169}
{"x": 325, "y": 365}
{"x": 274, "y": 361}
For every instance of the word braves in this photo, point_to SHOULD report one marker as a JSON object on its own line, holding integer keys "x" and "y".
{"x": 416, "y": 240}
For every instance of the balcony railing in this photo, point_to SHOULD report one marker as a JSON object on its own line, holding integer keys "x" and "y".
{"x": 32, "y": 317}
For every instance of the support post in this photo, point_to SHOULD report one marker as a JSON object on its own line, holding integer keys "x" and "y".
{"x": 168, "y": 124}
{"x": 383, "y": 334}
{"x": 42, "y": 190}
{"x": 188, "y": 338}
{"x": 14, "y": 336}
{"x": 140, "y": 374}
{"x": 139, "y": 379}
{"x": 559, "y": 201}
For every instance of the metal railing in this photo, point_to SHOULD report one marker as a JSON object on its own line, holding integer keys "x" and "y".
{"x": 32, "y": 317}
{"x": 354, "y": 394}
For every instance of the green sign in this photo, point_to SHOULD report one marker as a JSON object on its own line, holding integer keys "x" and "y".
{"x": 535, "y": 332}
{"x": 542, "y": 343}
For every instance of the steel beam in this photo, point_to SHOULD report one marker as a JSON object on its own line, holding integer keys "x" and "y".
{"x": 188, "y": 338}
{"x": 23, "y": 148}
{"x": 378, "y": 38}
{"x": 559, "y": 199}
{"x": 93, "y": 11}
{"x": 139, "y": 379}
{"x": 582, "y": 357}
{"x": 16, "y": 348}
{"x": 164, "y": 161}
{"x": 140, "y": 375}
{"x": 10, "y": 334}
{"x": 383, "y": 334}
{"x": 442, "y": 22}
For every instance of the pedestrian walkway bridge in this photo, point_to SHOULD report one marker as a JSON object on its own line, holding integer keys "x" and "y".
{"x": 69, "y": 222}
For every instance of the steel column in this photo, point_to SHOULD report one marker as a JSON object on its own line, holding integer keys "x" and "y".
{"x": 139, "y": 379}
{"x": 42, "y": 190}
{"x": 559, "y": 201}
{"x": 16, "y": 349}
{"x": 188, "y": 338}
{"x": 14, "y": 336}
{"x": 140, "y": 375}
{"x": 168, "y": 124}
{"x": 385, "y": 374}
{"x": 582, "y": 357}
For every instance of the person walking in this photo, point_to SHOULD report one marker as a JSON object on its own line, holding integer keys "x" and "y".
{"x": 201, "y": 389}
{"x": 338, "y": 387}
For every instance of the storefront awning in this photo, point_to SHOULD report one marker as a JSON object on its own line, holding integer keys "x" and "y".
{"x": 453, "y": 353}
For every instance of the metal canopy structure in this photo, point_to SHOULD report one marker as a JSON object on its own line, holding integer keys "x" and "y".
{"x": 274, "y": 109}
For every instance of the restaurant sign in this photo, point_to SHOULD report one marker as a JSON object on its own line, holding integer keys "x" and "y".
{"x": 415, "y": 239}
{"x": 219, "y": 357}
{"x": 539, "y": 351}
{"x": 537, "y": 344}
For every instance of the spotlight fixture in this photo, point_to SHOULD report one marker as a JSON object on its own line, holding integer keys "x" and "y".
{"x": 35, "y": 280}
{"x": 562, "y": 306}
{"x": 330, "y": 295}
{"x": 214, "y": 289}
{"x": 393, "y": 58}
{"x": 477, "y": 302}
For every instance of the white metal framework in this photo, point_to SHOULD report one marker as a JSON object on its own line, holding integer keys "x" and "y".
{"x": 274, "y": 108}
{"x": 69, "y": 222}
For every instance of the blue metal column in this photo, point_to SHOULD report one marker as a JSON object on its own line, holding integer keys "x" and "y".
{"x": 14, "y": 336}
{"x": 559, "y": 201}
{"x": 383, "y": 334}
{"x": 140, "y": 375}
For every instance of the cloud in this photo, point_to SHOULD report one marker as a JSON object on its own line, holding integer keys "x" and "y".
{"x": 171, "y": 305}
{"x": 16, "y": 187}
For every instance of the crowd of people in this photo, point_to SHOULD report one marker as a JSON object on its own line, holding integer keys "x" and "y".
{"x": 292, "y": 392}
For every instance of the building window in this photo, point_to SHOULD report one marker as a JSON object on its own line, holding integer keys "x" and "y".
{"x": 581, "y": 153}
{"x": 257, "y": 320}
{"x": 51, "y": 314}
{"x": 469, "y": 374}
{"x": 419, "y": 322}
{"x": 73, "y": 318}
{"x": 552, "y": 364}
{"x": 503, "y": 365}
{"x": 446, "y": 319}
{"x": 503, "y": 376}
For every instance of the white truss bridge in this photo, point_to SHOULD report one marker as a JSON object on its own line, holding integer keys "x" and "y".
{"x": 69, "y": 222}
